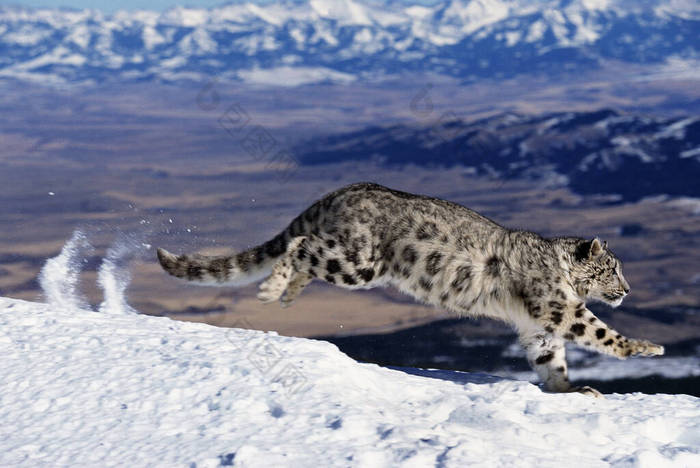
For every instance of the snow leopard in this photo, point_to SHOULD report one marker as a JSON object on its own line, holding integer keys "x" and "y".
{"x": 366, "y": 235}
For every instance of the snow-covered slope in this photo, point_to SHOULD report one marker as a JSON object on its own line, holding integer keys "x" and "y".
{"x": 345, "y": 39}
{"x": 86, "y": 388}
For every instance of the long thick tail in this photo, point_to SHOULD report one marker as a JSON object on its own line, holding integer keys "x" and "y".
{"x": 248, "y": 266}
{"x": 234, "y": 270}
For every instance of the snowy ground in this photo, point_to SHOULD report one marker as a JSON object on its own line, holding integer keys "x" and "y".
{"x": 88, "y": 388}
{"x": 112, "y": 387}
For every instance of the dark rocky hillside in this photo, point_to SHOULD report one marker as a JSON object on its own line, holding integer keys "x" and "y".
{"x": 595, "y": 152}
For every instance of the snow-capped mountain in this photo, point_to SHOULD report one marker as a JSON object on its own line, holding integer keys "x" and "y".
{"x": 599, "y": 152}
{"x": 341, "y": 40}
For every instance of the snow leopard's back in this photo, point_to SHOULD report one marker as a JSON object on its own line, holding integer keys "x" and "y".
{"x": 363, "y": 235}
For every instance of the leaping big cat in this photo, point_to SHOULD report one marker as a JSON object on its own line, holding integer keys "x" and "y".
{"x": 365, "y": 235}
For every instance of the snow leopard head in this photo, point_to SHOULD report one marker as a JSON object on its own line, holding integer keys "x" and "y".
{"x": 598, "y": 273}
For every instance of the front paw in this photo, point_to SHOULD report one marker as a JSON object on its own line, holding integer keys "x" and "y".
{"x": 644, "y": 348}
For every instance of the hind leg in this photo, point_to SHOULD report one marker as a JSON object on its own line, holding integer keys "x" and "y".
{"x": 351, "y": 263}
{"x": 297, "y": 284}
{"x": 283, "y": 273}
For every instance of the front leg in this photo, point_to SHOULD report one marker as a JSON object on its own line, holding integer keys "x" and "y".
{"x": 546, "y": 354}
{"x": 575, "y": 323}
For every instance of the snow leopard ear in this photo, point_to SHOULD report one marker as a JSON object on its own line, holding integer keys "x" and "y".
{"x": 596, "y": 248}
{"x": 589, "y": 250}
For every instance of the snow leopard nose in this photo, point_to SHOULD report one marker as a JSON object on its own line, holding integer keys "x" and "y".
{"x": 626, "y": 289}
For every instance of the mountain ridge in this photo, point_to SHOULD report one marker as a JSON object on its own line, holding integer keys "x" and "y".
{"x": 596, "y": 152}
{"x": 344, "y": 39}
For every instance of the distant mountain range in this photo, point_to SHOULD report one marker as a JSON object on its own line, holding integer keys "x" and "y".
{"x": 299, "y": 41}
{"x": 600, "y": 152}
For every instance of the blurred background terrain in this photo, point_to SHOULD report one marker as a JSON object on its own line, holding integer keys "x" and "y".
{"x": 209, "y": 129}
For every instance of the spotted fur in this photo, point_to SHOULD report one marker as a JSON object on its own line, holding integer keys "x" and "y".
{"x": 365, "y": 235}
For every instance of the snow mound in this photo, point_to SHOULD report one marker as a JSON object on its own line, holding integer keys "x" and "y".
{"x": 84, "y": 388}
{"x": 113, "y": 387}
